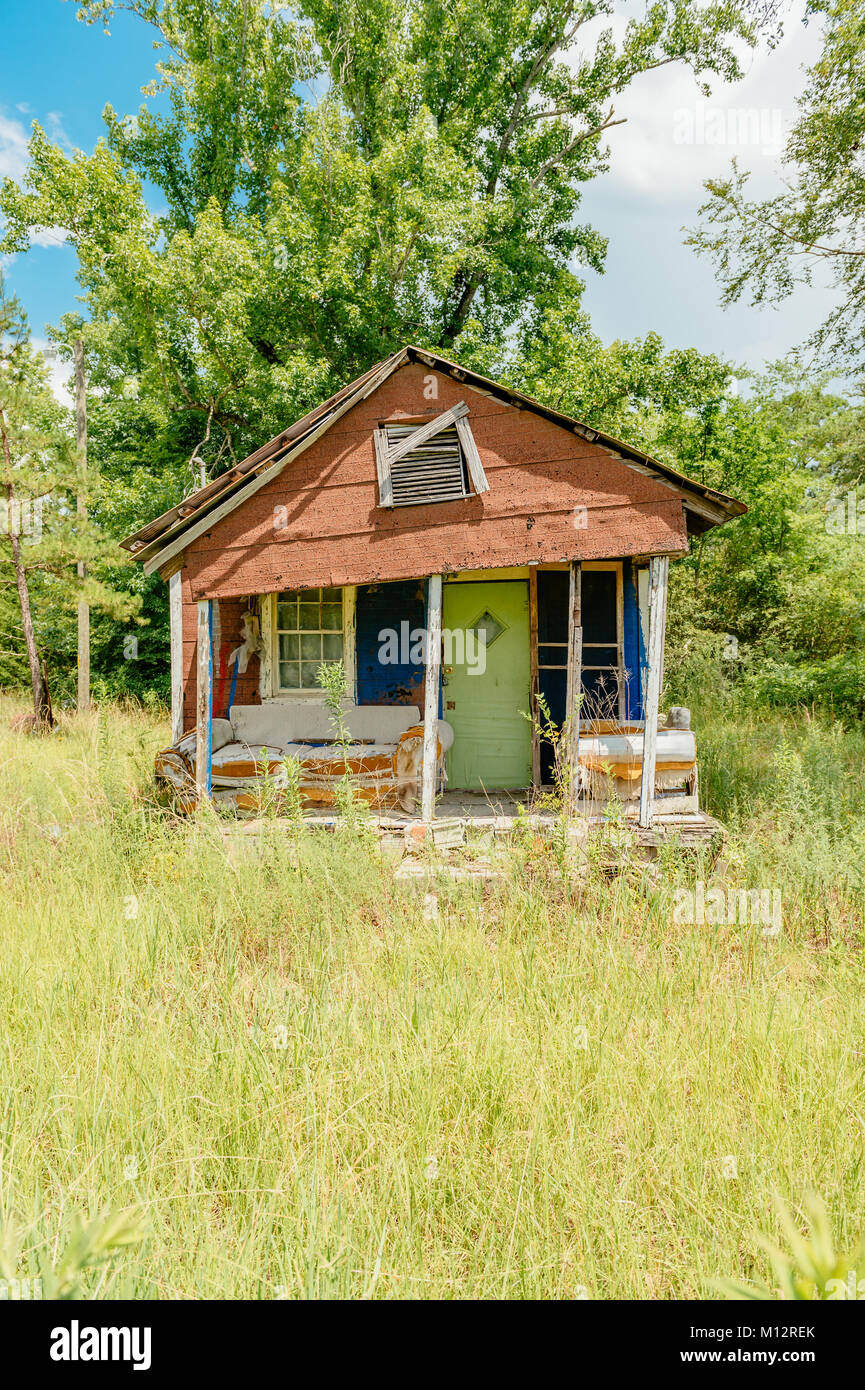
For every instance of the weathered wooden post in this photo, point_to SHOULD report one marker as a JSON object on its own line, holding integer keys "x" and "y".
{"x": 431, "y": 696}
{"x": 573, "y": 701}
{"x": 83, "y": 701}
{"x": 658, "y": 574}
{"x": 534, "y": 674}
{"x": 204, "y": 698}
{"x": 175, "y": 607}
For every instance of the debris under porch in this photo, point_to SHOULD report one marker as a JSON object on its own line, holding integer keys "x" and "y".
{"x": 474, "y": 821}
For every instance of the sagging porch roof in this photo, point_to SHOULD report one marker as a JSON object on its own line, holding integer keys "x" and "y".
{"x": 161, "y": 539}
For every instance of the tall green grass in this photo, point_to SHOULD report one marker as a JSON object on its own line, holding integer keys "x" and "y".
{"x": 309, "y": 1081}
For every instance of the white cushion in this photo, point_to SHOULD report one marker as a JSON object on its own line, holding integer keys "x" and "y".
{"x": 283, "y": 722}
{"x": 333, "y": 754}
{"x": 673, "y": 746}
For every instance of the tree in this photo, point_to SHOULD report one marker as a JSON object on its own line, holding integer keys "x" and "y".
{"x": 337, "y": 183}
{"x": 781, "y": 591}
{"x": 767, "y": 247}
{"x": 40, "y": 476}
{"x": 20, "y": 405}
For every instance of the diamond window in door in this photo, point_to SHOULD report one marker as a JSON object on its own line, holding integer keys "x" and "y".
{"x": 487, "y": 628}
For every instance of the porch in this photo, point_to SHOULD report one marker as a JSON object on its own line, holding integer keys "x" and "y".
{"x": 469, "y": 836}
{"x": 510, "y": 685}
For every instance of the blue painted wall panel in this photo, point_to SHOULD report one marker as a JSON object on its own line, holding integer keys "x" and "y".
{"x": 388, "y": 606}
{"x": 635, "y": 655}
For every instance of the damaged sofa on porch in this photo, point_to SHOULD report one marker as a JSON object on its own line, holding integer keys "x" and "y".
{"x": 384, "y": 758}
{"x": 611, "y": 762}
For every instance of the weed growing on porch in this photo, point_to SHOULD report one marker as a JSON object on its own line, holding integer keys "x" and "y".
{"x": 349, "y": 806}
{"x": 556, "y": 797}
{"x": 304, "y": 1084}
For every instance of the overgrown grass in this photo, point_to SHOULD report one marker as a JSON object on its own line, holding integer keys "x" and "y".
{"x": 309, "y": 1084}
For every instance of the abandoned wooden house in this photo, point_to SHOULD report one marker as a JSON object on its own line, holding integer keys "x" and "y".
{"x": 470, "y": 556}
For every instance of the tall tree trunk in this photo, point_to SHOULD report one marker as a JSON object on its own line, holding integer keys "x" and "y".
{"x": 83, "y": 606}
{"x": 41, "y": 706}
{"x": 41, "y": 703}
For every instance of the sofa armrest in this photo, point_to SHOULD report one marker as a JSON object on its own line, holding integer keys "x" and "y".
{"x": 408, "y": 760}
{"x": 221, "y": 733}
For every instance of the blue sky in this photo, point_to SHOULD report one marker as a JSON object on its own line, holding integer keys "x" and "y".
{"x": 62, "y": 73}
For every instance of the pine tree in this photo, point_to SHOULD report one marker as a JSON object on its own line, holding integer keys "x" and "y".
{"x": 39, "y": 481}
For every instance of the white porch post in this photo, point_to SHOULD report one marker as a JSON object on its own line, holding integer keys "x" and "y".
{"x": 658, "y": 574}
{"x": 574, "y": 685}
{"x": 431, "y": 695}
{"x": 204, "y": 699}
{"x": 175, "y": 606}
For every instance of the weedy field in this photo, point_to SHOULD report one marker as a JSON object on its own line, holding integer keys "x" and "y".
{"x": 272, "y": 1071}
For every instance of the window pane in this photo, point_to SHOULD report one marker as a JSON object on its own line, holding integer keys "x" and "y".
{"x": 289, "y": 646}
{"x": 310, "y": 646}
{"x": 599, "y": 606}
{"x": 309, "y": 675}
{"x": 331, "y": 617}
{"x": 310, "y": 614}
{"x": 552, "y": 656}
{"x": 286, "y": 615}
{"x": 600, "y": 656}
{"x": 553, "y": 590}
{"x": 289, "y": 675}
{"x": 332, "y": 643}
{"x": 331, "y": 596}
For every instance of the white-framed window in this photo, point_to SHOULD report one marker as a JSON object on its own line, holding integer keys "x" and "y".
{"x": 308, "y": 628}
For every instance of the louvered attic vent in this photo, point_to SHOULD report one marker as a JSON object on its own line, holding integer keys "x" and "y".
{"x": 434, "y": 472}
{"x": 434, "y": 462}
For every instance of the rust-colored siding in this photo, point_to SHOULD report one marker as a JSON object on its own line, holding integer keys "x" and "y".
{"x": 319, "y": 522}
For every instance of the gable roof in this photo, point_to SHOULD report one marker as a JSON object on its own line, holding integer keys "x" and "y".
{"x": 163, "y": 538}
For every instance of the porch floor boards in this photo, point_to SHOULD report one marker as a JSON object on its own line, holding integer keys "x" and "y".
{"x": 499, "y": 812}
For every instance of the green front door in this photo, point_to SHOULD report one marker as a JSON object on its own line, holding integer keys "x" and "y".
{"x": 492, "y": 747}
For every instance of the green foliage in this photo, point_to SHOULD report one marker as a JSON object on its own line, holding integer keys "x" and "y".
{"x": 766, "y": 248}
{"x": 83, "y": 1264}
{"x": 351, "y": 808}
{"x": 44, "y": 536}
{"x": 281, "y": 1038}
{"x": 336, "y": 184}
{"x": 812, "y": 1269}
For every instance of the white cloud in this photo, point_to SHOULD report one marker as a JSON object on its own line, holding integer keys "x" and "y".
{"x": 59, "y": 373}
{"x": 57, "y": 131}
{"x": 50, "y": 236}
{"x": 13, "y": 148}
{"x": 673, "y": 140}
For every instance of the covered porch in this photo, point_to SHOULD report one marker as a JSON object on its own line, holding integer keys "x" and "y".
{"x": 518, "y": 692}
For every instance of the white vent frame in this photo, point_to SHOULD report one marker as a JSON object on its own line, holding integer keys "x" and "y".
{"x": 411, "y": 492}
